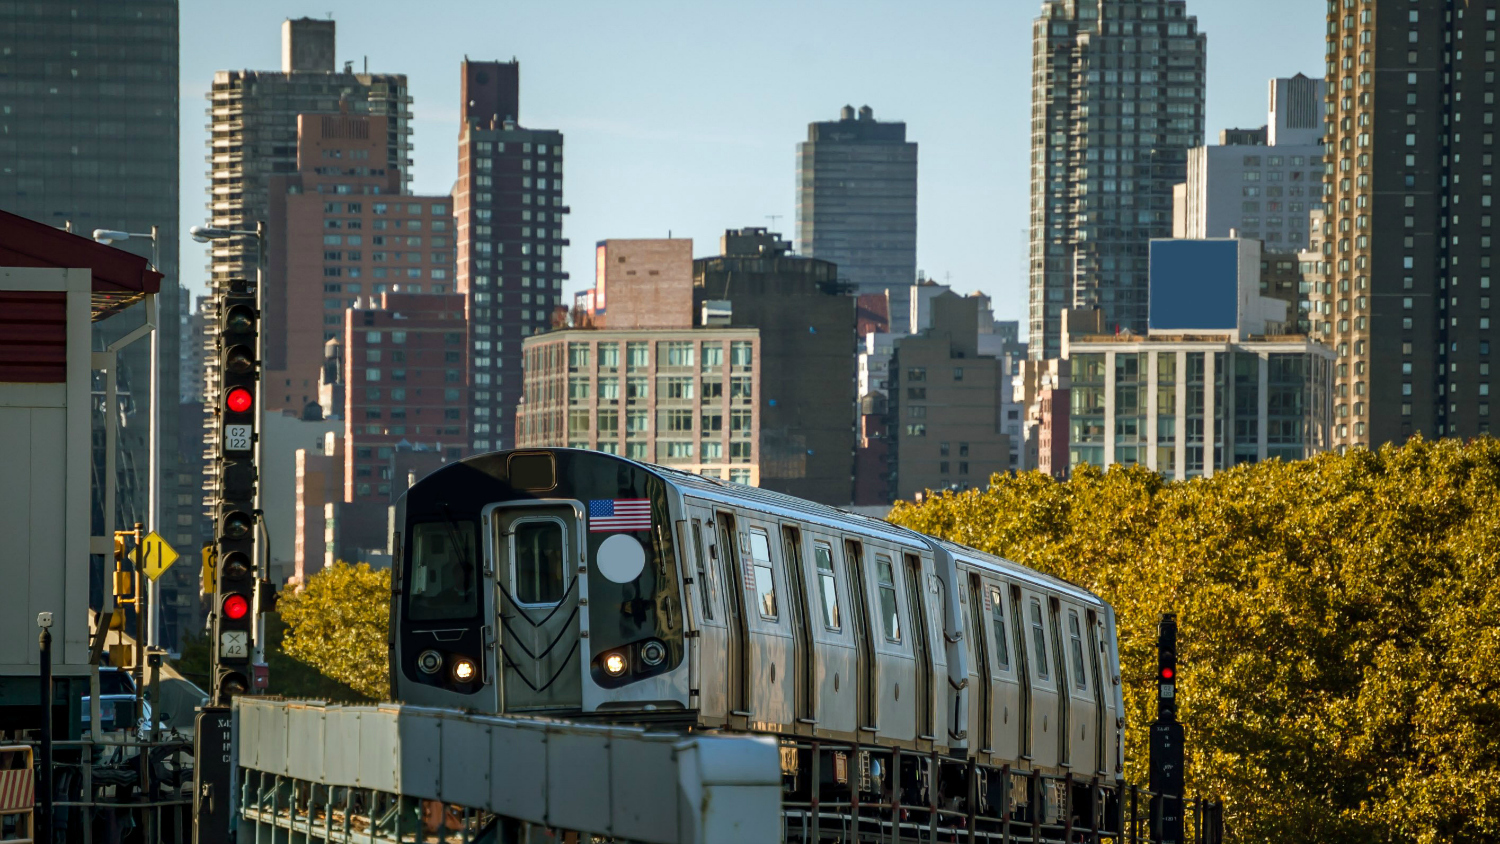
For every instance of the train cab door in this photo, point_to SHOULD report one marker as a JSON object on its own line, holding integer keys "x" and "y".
{"x": 712, "y": 646}
{"x": 1046, "y": 743}
{"x": 1061, "y": 672}
{"x": 916, "y": 600}
{"x": 1023, "y": 659}
{"x": 1102, "y": 721}
{"x": 804, "y": 707}
{"x": 727, "y": 556}
{"x": 859, "y": 613}
{"x": 536, "y": 573}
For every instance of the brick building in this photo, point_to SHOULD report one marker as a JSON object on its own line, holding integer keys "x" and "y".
{"x": 339, "y": 234}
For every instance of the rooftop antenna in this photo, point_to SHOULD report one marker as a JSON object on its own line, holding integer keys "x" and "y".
{"x": 773, "y": 218}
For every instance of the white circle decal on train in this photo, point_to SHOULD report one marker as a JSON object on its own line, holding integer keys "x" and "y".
{"x": 620, "y": 558}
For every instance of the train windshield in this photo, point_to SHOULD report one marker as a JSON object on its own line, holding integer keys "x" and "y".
{"x": 443, "y": 581}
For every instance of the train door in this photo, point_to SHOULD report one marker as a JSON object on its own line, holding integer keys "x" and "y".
{"x": 1045, "y": 745}
{"x": 1023, "y": 669}
{"x": 916, "y": 600}
{"x": 712, "y": 647}
{"x": 835, "y": 649}
{"x": 1064, "y": 684}
{"x": 1082, "y": 710}
{"x": 1095, "y": 647}
{"x": 770, "y": 650}
{"x": 538, "y": 607}
{"x": 803, "y": 705}
{"x": 1005, "y": 710}
{"x": 859, "y": 614}
{"x": 734, "y": 580}
{"x": 983, "y": 706}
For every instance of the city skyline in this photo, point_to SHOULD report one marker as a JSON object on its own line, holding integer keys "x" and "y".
{"x": 694, "y": 160}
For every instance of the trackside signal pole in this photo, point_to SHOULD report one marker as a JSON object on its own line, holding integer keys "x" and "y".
{"x": 1166, "y": 739}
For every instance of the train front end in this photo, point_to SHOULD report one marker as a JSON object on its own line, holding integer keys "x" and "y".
{"x": 539, "y": 581}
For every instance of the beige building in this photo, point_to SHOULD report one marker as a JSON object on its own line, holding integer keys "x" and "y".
{"x": 945, "y": 404}
{"x": 683, "y": 398}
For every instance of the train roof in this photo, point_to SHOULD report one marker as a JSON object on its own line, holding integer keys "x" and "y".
{"x": 814, "y": 512}
{"x": 728, "y": 492}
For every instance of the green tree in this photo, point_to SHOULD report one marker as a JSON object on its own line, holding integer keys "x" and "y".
{"x": 339, "y": 623}
{"x": 1339, "y": 626}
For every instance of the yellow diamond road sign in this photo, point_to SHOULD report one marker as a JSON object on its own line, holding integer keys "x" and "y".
{"x": 156, "y": 555}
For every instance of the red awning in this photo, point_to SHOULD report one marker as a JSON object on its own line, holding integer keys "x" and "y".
{"x": 120, "y": 278}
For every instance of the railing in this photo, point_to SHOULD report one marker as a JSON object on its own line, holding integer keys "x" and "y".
{"x": 887, "y": 794}
{"x": 119, "y": 781}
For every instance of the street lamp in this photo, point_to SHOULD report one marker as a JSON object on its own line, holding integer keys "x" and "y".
{"x": 153, "y": 427}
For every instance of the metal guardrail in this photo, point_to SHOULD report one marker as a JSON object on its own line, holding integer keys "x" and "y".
{"x": 397, "y": 773}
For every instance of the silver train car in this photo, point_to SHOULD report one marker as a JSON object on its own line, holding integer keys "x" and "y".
{"x": 579, "y": 584}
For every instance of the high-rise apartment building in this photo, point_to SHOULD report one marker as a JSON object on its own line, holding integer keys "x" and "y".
{"x": 509, "y": 206}
{"x": 340, "y": 233}
{"x": 1116, "y": 103}
{"x": 253, "y": 130}
{"x": 1405, "y": 295}
{"x": 857, "y": 204}
{"x": 88, "y": 139}
{"x": 1263, "y": 190}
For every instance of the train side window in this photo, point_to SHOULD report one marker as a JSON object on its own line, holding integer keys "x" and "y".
{"x": 765, "y": 583}
{"x": 889, "y": 615}
{"x": 539, "y": 579}
{"x": 705, "y": 582}
{"x": 997, "y": 618}
{"x": 1075, "y": 636}
{"x": 1039, "y": 639}
{"x": 827, "y": 586}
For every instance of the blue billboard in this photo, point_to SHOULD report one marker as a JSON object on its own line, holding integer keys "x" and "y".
{"x": 1194, "y": 285}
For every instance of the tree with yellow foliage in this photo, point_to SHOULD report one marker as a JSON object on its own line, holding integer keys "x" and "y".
{"x": 338, "y": 623}
{"x": 1339, "y": 626}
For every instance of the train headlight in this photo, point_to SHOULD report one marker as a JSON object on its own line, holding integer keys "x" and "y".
{"x": 431, "y": 662}
{"x": 614, "y": 664}
{"x": 463, "y": 669}
{"x": 653, "y": 653}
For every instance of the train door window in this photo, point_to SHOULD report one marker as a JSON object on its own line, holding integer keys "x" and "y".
{"x": 538, "y": 578}
{"x": 443, "y": 577}
{"x": 1075, "y": 641}
{"x": 827, "y": 586}
{"x": 997, "y": 618}
{"x": 765, "y": 583}
{"x": 1039, "y": 639}
{"x": 705, "y": 580}
{"x": 889, "y": 614}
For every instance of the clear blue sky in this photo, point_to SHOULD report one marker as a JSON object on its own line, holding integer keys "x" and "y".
{"x": 684, "y": 116}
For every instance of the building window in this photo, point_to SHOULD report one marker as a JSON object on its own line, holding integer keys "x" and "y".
{"x": 677, "y": 387}
{"x": 674, "y": 353}
{"x": 678, "y": 450}
{"x": 739, "y": 353}
{"x": 636, "y": 355}
{"x": 578, "y": 421}
{"x": 675, "y": 420}
{"x": 713, "y": 356}
{"x": 578, "y": 355}
{"x": 916, "y": 373}
{"x": 739, "y": 421}
{"x": 919, "y": 430}
{"x": 958, "y": 373}
{"x": 739, "y": 450}
{"x": 739, "y": 476}
{"x": 711, "y": 450}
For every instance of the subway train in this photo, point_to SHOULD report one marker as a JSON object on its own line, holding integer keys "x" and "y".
{"x": 579, "y": 584}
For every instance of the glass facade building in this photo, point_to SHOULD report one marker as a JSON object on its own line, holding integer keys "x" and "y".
{"x": 1188, "y": 408}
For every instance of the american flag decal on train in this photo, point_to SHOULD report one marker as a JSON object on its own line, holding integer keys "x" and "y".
{"x": 617, "y": 514}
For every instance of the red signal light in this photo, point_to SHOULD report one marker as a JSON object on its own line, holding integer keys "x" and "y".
{"x": 236, "y": 607}
{"x": 239, "y": 400}
{"x": 1167, "y": 673}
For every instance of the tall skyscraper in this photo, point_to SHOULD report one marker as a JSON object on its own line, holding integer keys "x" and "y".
{"x": 88, "y": 138}
{"x": 253, "y": 130}
{"x": 857, "y": 204}
{"x": 509, "y": 207}
{"x": 1116, "y": 102}
{"x": 1405, "y": 295}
